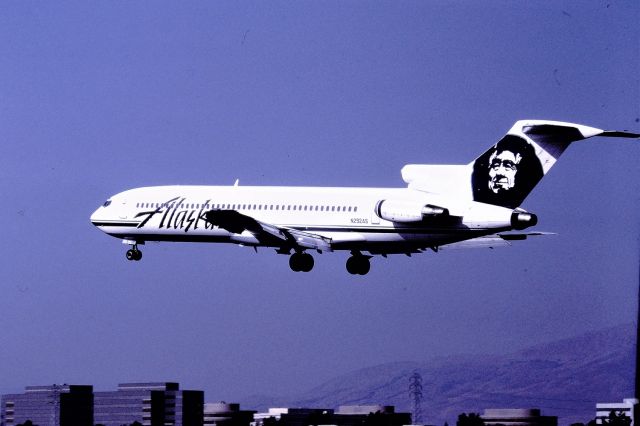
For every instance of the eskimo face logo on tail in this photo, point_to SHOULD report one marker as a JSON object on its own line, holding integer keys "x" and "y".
{"x": 506, "y": 173}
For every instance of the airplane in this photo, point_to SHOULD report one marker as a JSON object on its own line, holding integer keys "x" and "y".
{"x": 443, "y": 206}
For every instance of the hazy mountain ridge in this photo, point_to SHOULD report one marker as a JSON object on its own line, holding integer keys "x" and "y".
{"x": 564, "y": 378}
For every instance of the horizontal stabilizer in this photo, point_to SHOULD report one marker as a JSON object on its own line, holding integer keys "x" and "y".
{"x": 494, "y": 240}
{"x": 615, "y": 134}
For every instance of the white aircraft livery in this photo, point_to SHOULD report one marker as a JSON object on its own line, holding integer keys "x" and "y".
{"x": 472, "y": 205}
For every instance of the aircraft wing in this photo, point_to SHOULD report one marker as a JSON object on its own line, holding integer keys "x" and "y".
{"x": 267, "y": 234}
{"x": 494, "y": 240}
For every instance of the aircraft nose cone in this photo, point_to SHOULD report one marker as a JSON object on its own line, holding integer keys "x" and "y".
{"x": 95, "y": 216}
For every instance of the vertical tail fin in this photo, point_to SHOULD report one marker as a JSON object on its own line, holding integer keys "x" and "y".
{"x": 506, "y": 173}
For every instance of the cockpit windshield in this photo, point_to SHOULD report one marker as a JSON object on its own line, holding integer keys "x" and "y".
{"x": 106, "y": 203}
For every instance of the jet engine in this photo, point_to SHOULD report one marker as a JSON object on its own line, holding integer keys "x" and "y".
{"x": 523, "y": 220}
{"x": 407, "y": 211}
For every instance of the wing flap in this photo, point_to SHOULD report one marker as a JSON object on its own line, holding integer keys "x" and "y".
{"x": 266, "y": 233}
{"x": 309, "y": 240}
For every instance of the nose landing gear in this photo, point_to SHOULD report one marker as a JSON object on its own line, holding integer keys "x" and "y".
{"x": 301, "y": 262}
{"x": 133, "y": 253}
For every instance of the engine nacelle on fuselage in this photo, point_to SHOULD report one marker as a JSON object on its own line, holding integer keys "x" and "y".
{"x": 401, "y": 211}
{"x": 487, "y": 216}
{"x": 472, "y": 215}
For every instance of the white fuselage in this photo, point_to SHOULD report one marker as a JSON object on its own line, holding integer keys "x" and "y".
{"x": 444, "y": 205}
{"x": 346, "y": 216}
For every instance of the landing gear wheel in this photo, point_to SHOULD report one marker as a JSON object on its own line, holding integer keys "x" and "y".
{"x": 294, "y": 262}
{"x": 134, "y": 254}
{"x": 307, "y": 262}
{"x": 301, "y": 262}
{"x": 358, "y": 265}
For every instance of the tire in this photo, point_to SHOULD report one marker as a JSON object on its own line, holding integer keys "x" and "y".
{"x": 294, "y": 262}
{"x": 365, "y": 266}
{"x": 358, "y": 265}
{"x": 352, "y": 265}
{"x": 307, "y": 262}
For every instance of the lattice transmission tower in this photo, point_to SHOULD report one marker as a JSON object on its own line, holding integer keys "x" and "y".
{"x": 415, "y": 393}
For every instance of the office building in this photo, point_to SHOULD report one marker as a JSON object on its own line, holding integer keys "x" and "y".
{"x": 625, "y": 407}
{"x": 345, "y": 415}
{"x": 517, "y": 417}
{"x": 351, "y": 415}
{"x": 223, "y": 414}
{"x": 56, "y": 405}
{"x": 292, "y": 416}
{"x": 151, "y": 404}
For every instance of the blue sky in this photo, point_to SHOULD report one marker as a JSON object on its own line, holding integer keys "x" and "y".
{"x": 99, "y": 97}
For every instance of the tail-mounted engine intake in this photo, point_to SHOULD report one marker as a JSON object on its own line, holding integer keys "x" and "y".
{"x": 407, "y": 211}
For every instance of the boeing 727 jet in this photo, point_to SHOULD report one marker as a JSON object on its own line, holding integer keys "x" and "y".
{"x": 471, "y": 205}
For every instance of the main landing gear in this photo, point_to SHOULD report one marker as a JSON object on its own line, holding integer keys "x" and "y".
{"x": 134, "y": 253}
{"x": 358, "y": 264}
{"x": 301, "y": 262}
